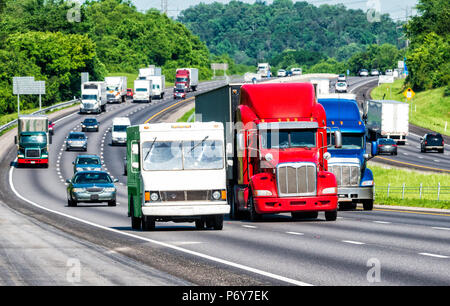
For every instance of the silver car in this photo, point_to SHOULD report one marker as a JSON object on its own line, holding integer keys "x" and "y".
{"x": 76, "y": 141}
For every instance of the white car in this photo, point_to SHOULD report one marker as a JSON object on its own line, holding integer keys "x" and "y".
{"x": 342, "y": 78}
{"x": 281, "y": 73}
{"x": 296, "y": 71}
{"x": 389, "y": 72}
{"x": 363, "y": 73}
{"x": 374, "y": 72}
{"x": 341, "y": 87}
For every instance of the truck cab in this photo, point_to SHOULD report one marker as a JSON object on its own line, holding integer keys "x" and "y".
{"x": 93, "y": 97}
{"x": 33, "y": 140}
{"x": 349, "y": 161}
{"x": 176, "y": 172}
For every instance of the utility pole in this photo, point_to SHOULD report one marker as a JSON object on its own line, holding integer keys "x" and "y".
{"x": 164, "y": 6}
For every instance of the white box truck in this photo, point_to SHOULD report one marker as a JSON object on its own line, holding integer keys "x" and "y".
{"x": 158, "y": 85}
{"x": 149, "y": 71}
{"x": 142, "y": 91}
{"x": 176, "y": 172}
{"x": 93, "y": 97}
{"x": 321, "y": 86}
{"x": 116, "y": 88}
{"x": 387, "y": 119}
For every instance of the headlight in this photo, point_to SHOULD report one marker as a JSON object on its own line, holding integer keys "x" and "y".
{"x": 331, "y": 190}
{"x": 110, "y": 189}
{"x": 154, "y": 197}
{"x": 80, "y": 169}
{"x": 367, "y": 183}
{"x": 216, "y": 195}
{"x": 79, "y": 190}
{"x": 262, "y": 193}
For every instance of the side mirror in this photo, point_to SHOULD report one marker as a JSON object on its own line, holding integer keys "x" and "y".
{"x": 338, "y": 139}
{"x": 15, "y": 139}
{"x": 366, "y": 156}
{"x": 73, "y": 163}
{"x": 68, "y": 181}
{"x": 374, "y": 148}
{"x": 115, "y": 180}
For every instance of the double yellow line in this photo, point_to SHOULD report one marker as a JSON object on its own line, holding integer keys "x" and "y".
{"x": 167, "y": 108}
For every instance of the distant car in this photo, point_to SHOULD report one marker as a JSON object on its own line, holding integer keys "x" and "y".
{"x": 342, "y": 78}
{"x": 76, "y": 140}
{"x": 341, "y": 87}
{"x": 90, "y": 124}
{"x": 129, "y": 93}
{"x": 387, "y": 146}
{"x": 296, "y": 71}
{"x": 119, "y": 130}
{"x": 389, "y": 72}
{"x": 51, "y": 127}
{"x": 363, "y": 73}
{"x": 288, "y": 73}
{"x": 281, "y": 73}
{"x": 179, "y": 93}
{"x": 91, "y": 187}
{"x": 87, "y": 163}
{"x": 374, "y": 72}
{"x": 432, "y": 141}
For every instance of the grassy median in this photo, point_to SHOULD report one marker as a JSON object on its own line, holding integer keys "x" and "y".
{"x": 186, "y": 116}
{"x": 430, "y": 109}
{"x": 420, "y": 189}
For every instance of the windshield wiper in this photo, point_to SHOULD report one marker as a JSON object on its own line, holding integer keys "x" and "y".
{"x": 199, "y": 144}
{"x": 151, "y": 147}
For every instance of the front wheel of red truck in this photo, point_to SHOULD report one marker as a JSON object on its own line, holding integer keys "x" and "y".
{"x": 331, "y": 215}
{"x": 254, "y": 216}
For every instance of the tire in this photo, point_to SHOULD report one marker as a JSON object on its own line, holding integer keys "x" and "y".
{"x": 235, "y": 214}
{"x": 368, "y": 204}
{"x": 200, "y": 224}
{"x": 218, "y": 223}
{"x": 331, "y": 215}
{"x": 71, "y": 203}
{"x": 253, "y": 215}
{"x": 148, "y": 223}
{"x": 135, "y": 221}
{"x": 112, "y": 203}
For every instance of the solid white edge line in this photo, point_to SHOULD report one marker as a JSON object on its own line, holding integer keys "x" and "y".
{"x": 442, "y": 228}
{"x": 433, "y": 255}
{"x": 208, "y": 257}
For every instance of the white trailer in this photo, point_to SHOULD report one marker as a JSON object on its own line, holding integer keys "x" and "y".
{"x": 388, "y": 119}
{"x": 321, "y": 86}
{"x": 149, "y": 71}
{"x": 252, "y": 77}
{"x": 158, "y": 85}
{"x": 142, "y": 91}
{"x": 93, "y": 97}
{"x": 176, "y": 172}
{"x": 193, "y": 77}
{"x": 263, "y": 69}
{"x": 116, "y": 88}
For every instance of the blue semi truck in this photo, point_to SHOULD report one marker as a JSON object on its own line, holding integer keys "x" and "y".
{"x": 349, "y": 162}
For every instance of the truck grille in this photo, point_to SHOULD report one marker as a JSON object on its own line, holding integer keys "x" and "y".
{"x": 346, "y": 175}
{"x": 190, "y": 195}
{"x": 296, "y": 179}
{"x": 32, "y": 153}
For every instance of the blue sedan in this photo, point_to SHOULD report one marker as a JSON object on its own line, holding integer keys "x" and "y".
{"x": 87, "y": 163}
{"x": 91, "y": 187}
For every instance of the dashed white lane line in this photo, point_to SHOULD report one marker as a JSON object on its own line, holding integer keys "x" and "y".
{"x": 434, "y": 255}
{"x": 382, "y": 222}
{"x": 353, "y": 242}
{"x": 442, "y": 228}
{"x": 249, "y": 226}
{"x": 295, "y": 233}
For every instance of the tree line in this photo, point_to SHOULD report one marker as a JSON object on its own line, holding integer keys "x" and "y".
{"x": 37, "y": 38}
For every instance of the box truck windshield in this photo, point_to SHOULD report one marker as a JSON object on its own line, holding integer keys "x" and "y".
{"x": 89, "y": 97}
{"x": 183, "y": 155}
{"x": 284, "y": 139}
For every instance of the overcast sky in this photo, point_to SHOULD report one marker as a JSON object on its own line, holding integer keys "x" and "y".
{"x": 396, "y": 8}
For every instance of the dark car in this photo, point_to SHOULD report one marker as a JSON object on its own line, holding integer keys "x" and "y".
{"x": 51, "y": 127}
{"x": 76, "y": 140}
{"x": 87, "y": 163}
{"x": 387, "y": 146}
{"x": 90, "y": 124}
{"x": 432, "y": 141}
{"x": 91, "y": 187}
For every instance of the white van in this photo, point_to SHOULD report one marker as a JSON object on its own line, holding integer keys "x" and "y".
{"x": 119, "y": 130}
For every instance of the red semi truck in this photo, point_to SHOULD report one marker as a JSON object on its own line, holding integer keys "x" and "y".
{"x": 186, "y": 79}
{"x": 276, "y": 149}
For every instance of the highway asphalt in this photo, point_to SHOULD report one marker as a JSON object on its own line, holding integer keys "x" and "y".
{"x": 380, "y": 247}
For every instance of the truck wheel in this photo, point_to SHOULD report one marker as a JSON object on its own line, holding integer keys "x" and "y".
{"x": 368, "y": 204}
{"x": 200, "y": 224}
{"x": 112, "y": 203}
{"x": 135, "y": 221}
{"x": 148, "y": 223}
{"x": 218, "y": 222}
{"x": 71, "y": 203}
{"x": 331, "y": 215}
{"x": 254, "y": 216}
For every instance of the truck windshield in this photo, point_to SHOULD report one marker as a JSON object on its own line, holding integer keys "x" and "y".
{"x": 89, "y": 97}
{"x": 181, "y": 80}
{"x": 284, "y": 139}
{"x": 141, "y": 89}
{"x": 120, "y": 128}
{"x": 186, "y": 155}
{"x": 24, "y": 139}
{"x": 349, "y": 141}
{"x": 112, "y": 88}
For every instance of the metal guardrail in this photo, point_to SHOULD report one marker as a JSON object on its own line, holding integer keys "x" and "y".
{"x": 438, "y": 193}
{"x": 42, "y": 111}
